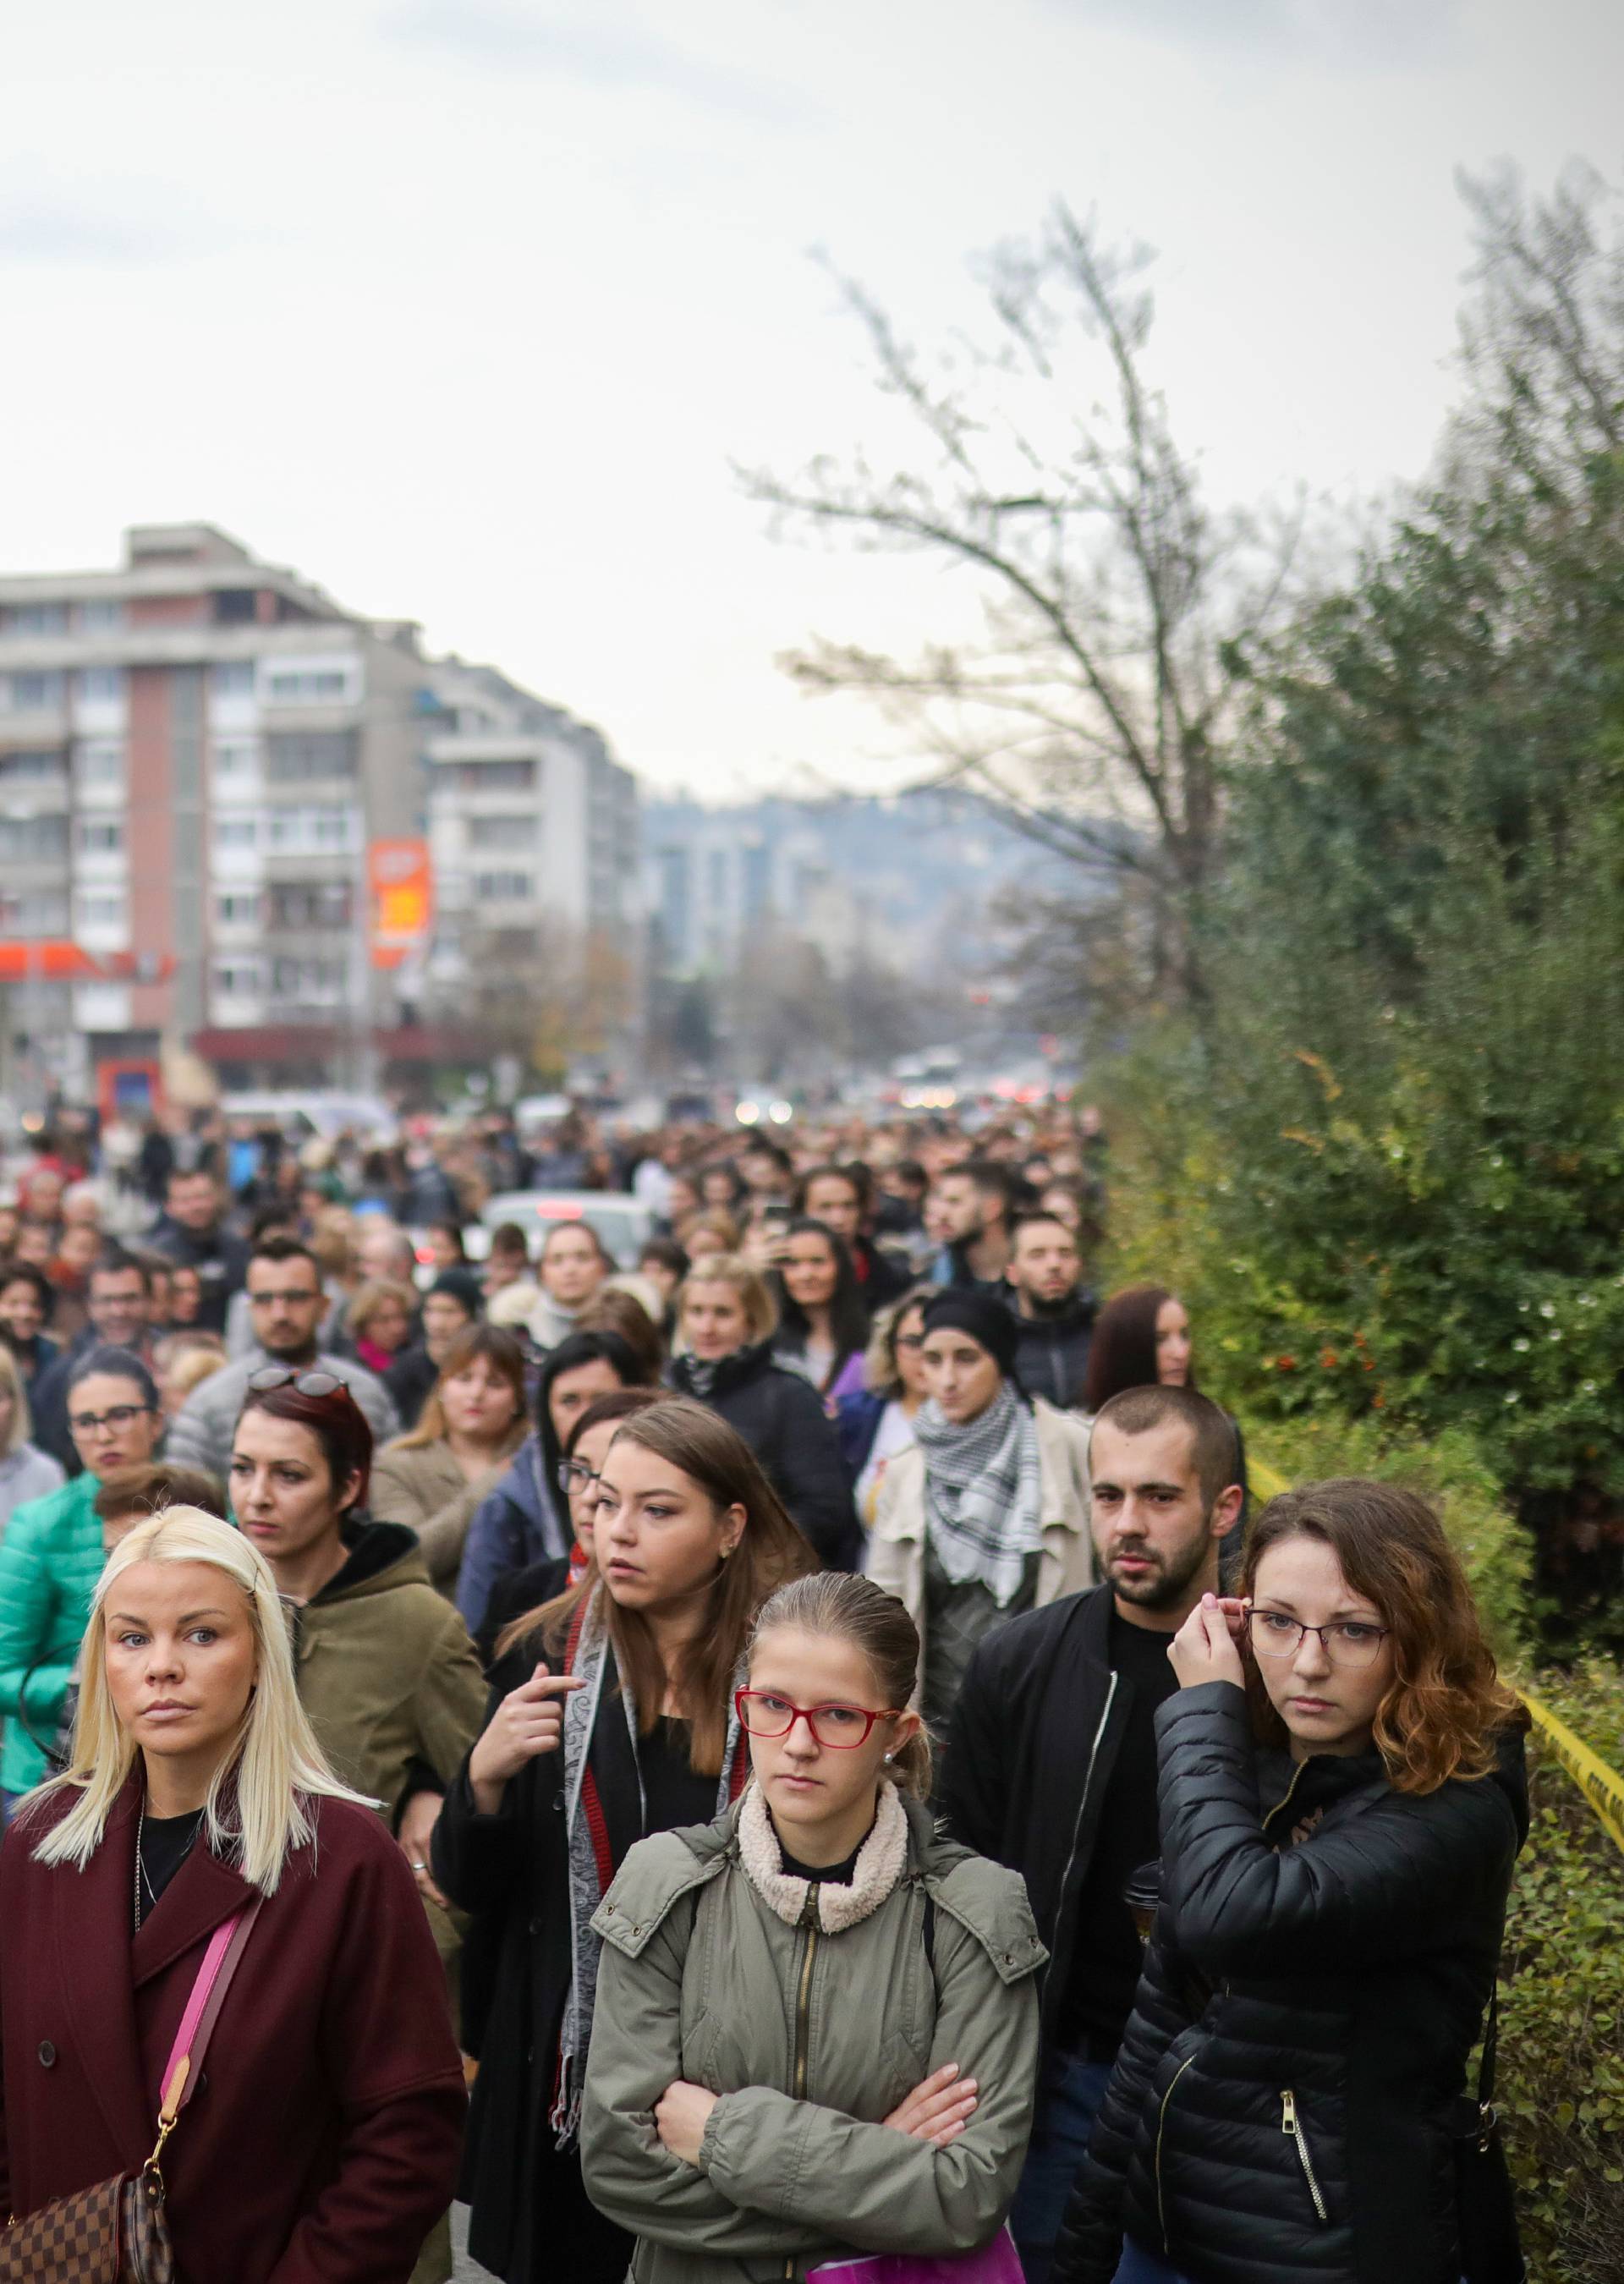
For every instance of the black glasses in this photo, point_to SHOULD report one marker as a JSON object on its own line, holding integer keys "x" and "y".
{"x": 270, "y": 1376}
{"x": 117, "y": 1415}
{"x": 841, "y": 1727}
{"x": 1346, "y": 1641}
{"x": 574, "y": 1475}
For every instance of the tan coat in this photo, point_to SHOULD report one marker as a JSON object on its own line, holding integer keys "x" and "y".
{"x": 896, "y": 1544}
{"x": 426, "y": 1488}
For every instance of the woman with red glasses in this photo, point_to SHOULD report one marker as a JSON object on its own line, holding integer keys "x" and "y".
{"x": 817, "y": 2031}
{"x": 611, "y": 1717}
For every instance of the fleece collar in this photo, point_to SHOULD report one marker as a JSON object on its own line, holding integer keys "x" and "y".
{"x": 879, "y": 1866}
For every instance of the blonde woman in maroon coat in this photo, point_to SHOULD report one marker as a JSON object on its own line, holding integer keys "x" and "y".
{"x": 321, "y": 2142}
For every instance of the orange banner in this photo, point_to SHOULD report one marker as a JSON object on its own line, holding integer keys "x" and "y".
{"x": 401, "y": 881}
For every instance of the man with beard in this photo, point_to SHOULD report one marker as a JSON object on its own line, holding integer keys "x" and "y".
{"x": 1050, "y": 1765}
{"x": 1053, "y": 1308}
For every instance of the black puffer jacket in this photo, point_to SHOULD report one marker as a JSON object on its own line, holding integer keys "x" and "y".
{"x": 1281, "y": 2104}
{"x": 1051, "y": 1356}
{"x": 782, "y": 1418}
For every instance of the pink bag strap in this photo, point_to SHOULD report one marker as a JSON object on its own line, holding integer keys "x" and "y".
{"x": 213, "y": 1980}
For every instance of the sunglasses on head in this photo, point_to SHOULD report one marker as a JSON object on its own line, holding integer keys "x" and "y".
{"x": 271, "y": 1376}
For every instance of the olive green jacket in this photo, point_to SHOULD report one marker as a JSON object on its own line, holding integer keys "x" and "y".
{"x": 810, "y": 2039}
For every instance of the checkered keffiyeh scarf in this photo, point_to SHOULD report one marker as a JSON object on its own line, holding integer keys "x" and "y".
{"x": 591, "y": 1857}
{"x": 983, "y": 1497}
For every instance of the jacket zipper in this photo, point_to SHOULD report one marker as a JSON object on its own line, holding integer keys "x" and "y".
{"x": 1292, "y": 2126}
{"x": 1088, "y": 1779}
{"x": 1161, "y": 2120}
{"x": 1285, "y": 1799}
{"x": 803, "y": 2010}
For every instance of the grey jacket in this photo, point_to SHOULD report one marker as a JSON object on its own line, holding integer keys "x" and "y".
{"x": 26, "y": 1474}
{"x": 702, "y": 1979}
{"x": 201, "y": 1433}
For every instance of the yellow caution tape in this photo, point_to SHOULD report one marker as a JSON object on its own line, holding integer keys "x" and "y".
{"x": 1601, "y": 1786}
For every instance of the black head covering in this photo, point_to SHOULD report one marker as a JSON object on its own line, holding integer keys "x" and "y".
{"x": 463, "y": 1285}
{"x": 987, "y": 1321}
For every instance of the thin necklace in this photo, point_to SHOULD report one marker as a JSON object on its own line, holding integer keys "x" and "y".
{"x": 141, "y": 1876}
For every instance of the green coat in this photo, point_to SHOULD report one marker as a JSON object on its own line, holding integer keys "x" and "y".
{"x": 388, "y": 1676}
{"x": 700, "y": 1979}
{"x": 50, "y": 1558}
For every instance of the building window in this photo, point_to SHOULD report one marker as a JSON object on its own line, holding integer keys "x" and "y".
{"x": 238, "y": 979}
{"x": 492, "y": 777}
{"x": 101, "y": 836}
{"x": 323, "y": 981}
{"x": 99, "y": 761}
{"x": 102, "y": 616}
{"x": 504, "y": 888}
{"x": 108, "y": 909}
{"x": 236, "y": 607}
{"x": 315, "y": 754}
{"x": 31, "y": 766}
{"x": 240, "y": 909}
{"x": 100, "y": 684}
{"x": 311, "y": 904}
{"x": 502, "y": 833}
{"x": 306, "y": 686}
{"x": 237, "y": 757}
{"x": 29, "y": 912}
{"x": 236, "y": 832}
{"x": 36, "y": 694}
{"x": 232, "y": 677}
{"x": 33, "y": 839}
{"x": 37, "y": 619}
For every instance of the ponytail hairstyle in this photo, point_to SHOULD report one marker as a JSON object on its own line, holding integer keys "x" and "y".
{"x": 851, "y": 1609}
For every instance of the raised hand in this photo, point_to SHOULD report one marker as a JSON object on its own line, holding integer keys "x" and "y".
{"x": 528, "y": 1722}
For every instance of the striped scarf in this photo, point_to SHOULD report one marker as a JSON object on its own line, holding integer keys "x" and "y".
{"x": 982, "y": 1495}
{"x": 591, "y": 1859}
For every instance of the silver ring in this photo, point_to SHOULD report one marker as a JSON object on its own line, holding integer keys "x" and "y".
{"x": 418, "y": 1867}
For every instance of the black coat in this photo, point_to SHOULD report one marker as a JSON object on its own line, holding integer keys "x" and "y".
{"x": 1336, "y": 1986}
{"x": 782, "y": 1418}
{"x": 1036, "y": 1734}
{"x": 531, "y": 2222}
{"x": 1051, "y": 1356}
{"x": 220, "y": 1260}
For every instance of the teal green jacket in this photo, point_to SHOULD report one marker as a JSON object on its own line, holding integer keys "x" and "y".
{"x": 50, "y": 1558}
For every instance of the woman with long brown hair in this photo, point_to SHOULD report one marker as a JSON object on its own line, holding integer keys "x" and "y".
{"x": 1342, "y": 1800}
{"x": 434, "y": 1478}
{"x": 610, "y": 1718}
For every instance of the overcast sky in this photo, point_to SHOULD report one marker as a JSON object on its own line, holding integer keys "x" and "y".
{"x": 463, "y": 307}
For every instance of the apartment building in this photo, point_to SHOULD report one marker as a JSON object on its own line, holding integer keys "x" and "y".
{"x": 199, "y": 753}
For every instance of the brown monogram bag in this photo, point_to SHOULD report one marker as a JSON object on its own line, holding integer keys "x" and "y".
{"x": 118, "y": 2232}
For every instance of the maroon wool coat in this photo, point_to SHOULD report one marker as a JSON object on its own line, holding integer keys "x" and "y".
{"x": 323, "y": 2141}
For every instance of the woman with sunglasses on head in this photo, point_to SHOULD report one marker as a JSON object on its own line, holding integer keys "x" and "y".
{"x": 330, "y": 2100}
{"x": 434, "y": 1478}
{"x": 816, "y": 2031}
{"x": 610, "y": 1717}
{"x": 1342, "y": 1800}
{"x": 52, "y": 1557}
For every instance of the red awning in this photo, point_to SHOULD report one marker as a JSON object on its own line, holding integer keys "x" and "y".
{"x": 49, "y": 959}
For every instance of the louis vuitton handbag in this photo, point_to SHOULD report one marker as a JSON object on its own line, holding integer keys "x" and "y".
{"x": 118, "y": 2232}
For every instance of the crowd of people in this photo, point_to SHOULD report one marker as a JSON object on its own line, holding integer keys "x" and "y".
{"x": 792, "y": 1748}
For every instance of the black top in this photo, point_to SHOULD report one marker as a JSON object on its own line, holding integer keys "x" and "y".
{"x": 674, "y": 1794}
{"x": 836, "y": 1875}
{"x": 1108, "y": 1956}
{"x": 165, "y": 1840}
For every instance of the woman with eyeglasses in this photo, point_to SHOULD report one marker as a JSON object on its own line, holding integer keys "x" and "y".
{"x": 610, "y": 1717}
{"x": 817, "y": 2022}
{"x": 52, "y": 1557}
{"x": 578, "y": 1476}
{"x": 876, "y": 1423}
{"x": 525, "y": 1519}
{"x": 1342, "y": 1800}
{"x": 434, "y": 1478}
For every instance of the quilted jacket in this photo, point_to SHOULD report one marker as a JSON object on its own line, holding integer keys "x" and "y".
{"x": 1315, "y": 1980}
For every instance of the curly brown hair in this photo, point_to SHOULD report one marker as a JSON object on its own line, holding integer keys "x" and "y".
{"x": 1446, "y": 1707}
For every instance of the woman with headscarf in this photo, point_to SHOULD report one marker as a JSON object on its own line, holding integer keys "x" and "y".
{"x": 987, "y": 1515}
